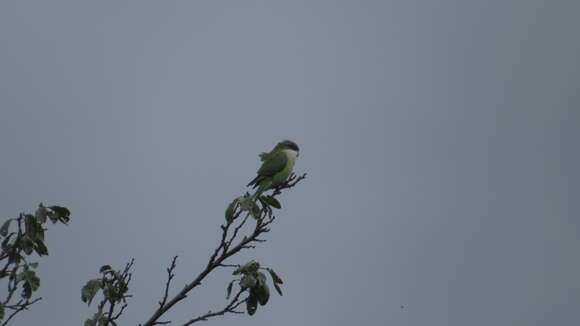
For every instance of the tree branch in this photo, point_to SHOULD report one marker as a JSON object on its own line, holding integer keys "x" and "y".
{"x": 18, "y": 308}
{"x": 170, "y": 276}
{"x": 231, "y": 308}
{"x": 217, "y": 258}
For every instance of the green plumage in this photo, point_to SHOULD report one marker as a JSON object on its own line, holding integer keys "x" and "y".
{"x": 276, "y": 167}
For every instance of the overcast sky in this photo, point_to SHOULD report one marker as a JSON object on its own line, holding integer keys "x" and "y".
{"x": 440, "y": 138}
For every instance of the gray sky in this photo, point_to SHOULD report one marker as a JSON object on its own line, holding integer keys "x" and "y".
{"x": 440, "y": 138}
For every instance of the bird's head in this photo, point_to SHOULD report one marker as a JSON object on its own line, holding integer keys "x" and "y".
{"x": 288, "y": 145}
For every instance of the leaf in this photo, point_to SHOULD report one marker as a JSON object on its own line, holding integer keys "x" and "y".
{"x": 52, "y": 216}
{"x": 247, "y": 268}
{"x": 27, "y": 245}
{"x": 229, "y": 291}
{"x": 26, "y": 291}
{"x": 33, "y": 265}
{"x": 275, "y": 277}
{"x": 271, "y": 201}
{"x": 103, "y": 320}
{"x": 256, "y": 211}
{"x": 60, "y": 211}
{"x": 31, "y": 284}
{"x": 263, "y": 293}
{"x": 96, "y": 318}
{"x": 246, "y": 203}
{"x": 231, "y": 210}
{"x": 278, "y": 289}
{"x": 33, "y": 280}
{"x": 63, "y": 214}
{"x": 110, "y": 292}
{"x": 251, "y": 304}
{"x": 39, "y": 233}
{"x": 261, "y": 277}
{"x": 40, "y": 248}
{"x": 248, "y": 281}
{"x": 261, "y": 290}
{"x": 21, "y": 276}
{"x": 5, "y": 227}
{"x": 14, "y": 257}
{"x": 41, "y": 214}
{"x": 30, "y": 223}
{"x": 90, "y": 289}
{"x": 104, "y": 268}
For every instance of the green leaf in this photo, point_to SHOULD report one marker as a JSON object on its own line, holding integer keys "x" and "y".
{"x": 26, "y": 291}
{"x": 39, "y": 233}
{"x": 230, "y": 211}
{"x": 40, "y": 248}
{"x": 21, "y": 276}
{"x": 261, "y": 277}
{"x": 5, "y": 227}
{"x": 263, "y": 293}
{"x": 104, "y": 268}
{"x": 31, "y": 228}
{"x": 34, "y": 281}
{"x": 256, "y": 211}
{"x": 278, "y": 289}
{"x": 275, "y": 277}
{"x": 110, "y": 292}
{"x": 52, "y": 216}
{"x": 27, "y": 245}
{"x": 271, "y": 201}
{"x": 250, "y": 267}
{"x": 230, "y": 289}
{"x": 90, "y": 289}
{"x": 96, "y": 319}
{"x": 33, "y": 265}
{"x": 41, "y": 214}
{"x": 248, "y": 281}
{"x": 14, "y": 257}
{"x": 103, "y": 320}
{"x": 246, "y": 203}
{"x": 31, "y": 283}
{"x": 62, "y": 213}
{"x": 252, "y": 304}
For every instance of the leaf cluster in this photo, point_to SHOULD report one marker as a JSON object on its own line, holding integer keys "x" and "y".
{"x": 248, "y": 204}
{"x": 22, "y": 237}
{"x": 114, "y": 285}
{"x": 254, "y": 282}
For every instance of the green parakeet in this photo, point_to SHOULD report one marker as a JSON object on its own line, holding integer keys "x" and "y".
{"x": 277, "y": 166}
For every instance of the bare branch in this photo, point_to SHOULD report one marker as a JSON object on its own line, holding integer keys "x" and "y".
{"x": 18, "y": 308}
{"x": 170, "y": 276}
{"x": 291, "y": 182}
{"x": 229, "y": 308}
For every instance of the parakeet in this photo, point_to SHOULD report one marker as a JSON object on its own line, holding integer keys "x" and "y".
{"x": 277, "y": 166}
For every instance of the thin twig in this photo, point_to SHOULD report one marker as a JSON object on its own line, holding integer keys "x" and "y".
{"x": 20, "y": 308}
{"x": 229, "y": 308}
{"x": 170, "y": 276}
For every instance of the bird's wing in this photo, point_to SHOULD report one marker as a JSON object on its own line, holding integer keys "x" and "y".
{"x": 264, "y": 156}
{"x": 273, "y": 164}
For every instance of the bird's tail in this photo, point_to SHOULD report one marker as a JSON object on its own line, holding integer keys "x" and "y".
{"x": 262, "y": 186}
